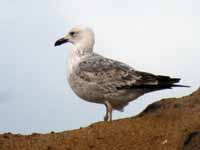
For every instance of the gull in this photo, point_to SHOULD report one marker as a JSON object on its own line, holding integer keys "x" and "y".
{"x": 98, "y": 79}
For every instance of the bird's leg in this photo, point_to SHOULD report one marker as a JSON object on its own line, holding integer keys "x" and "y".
{"x": 108, "y": 116}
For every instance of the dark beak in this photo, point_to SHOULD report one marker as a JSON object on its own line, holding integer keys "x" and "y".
{"x": 61, "y": 41}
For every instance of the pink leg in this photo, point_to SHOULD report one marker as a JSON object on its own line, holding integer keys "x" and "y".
{"x": 108, "y": 116}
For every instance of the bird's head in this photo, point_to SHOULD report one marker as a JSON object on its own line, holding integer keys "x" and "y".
{"x": 80, "y": 36}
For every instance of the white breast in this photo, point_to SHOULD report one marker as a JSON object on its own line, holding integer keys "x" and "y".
{"x": 72, "y": 62}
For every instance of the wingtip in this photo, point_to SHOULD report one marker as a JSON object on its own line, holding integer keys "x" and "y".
{"x": 179, "y": 85}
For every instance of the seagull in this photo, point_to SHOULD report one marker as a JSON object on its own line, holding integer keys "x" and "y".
{"x": 98, "y": 79}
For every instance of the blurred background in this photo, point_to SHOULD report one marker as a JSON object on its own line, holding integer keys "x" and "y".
{"x": 156, "y": 36}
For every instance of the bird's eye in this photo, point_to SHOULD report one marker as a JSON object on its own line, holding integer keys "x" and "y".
{"x": 72, "y": 33}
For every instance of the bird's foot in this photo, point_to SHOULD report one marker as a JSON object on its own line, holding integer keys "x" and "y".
{"x": 107, "y": 118}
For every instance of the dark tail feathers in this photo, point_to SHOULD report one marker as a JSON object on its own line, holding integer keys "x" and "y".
{"x": 165, "y": 80}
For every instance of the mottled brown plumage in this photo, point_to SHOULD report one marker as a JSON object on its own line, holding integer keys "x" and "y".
{"x": 98, "y": 79}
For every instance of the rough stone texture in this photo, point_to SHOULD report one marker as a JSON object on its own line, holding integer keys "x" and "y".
{"x": 170, "y": 124}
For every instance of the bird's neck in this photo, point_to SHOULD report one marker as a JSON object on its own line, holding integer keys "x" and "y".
{"x": 78, "y": 54}
{"x": 75, "y": 56}
{"x": 80, "y": 51}
{"x": 84, "y": 47}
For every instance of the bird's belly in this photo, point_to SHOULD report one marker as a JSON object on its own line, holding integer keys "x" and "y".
{"x": 86, "y": 90}
{"x": 124, "y": 95}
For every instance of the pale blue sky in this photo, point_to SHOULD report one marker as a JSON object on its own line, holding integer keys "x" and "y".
{"x": 157, "y": 36}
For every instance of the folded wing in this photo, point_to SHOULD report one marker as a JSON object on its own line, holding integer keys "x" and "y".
{"x": 115, "y": 75}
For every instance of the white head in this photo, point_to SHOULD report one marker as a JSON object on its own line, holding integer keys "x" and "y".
{"x": 81, "y": 37}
